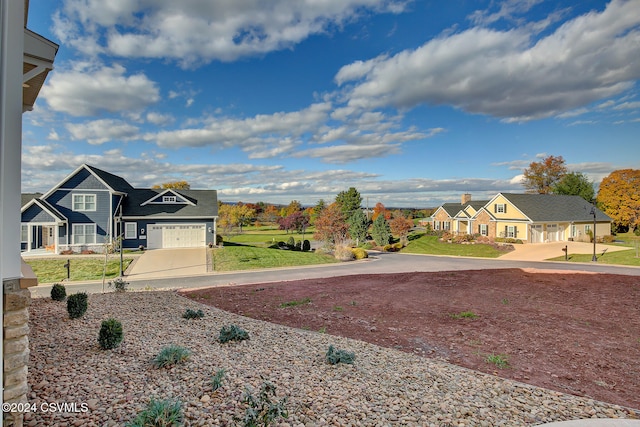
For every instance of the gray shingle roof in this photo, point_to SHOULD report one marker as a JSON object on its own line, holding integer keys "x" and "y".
{"x": 554, "y": 207}
{"x": 453, "y": 208}
{"x": 114, "y": 181}
{"x": 205, "y": 201}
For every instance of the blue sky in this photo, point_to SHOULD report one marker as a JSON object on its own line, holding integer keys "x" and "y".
{"x": 411, "y": 102}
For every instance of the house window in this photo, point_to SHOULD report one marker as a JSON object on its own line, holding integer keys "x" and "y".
{"x": 447, "y": 225}
{"x": 587, "y": 228}
{"x": 511, "y": 231}
{"x": 501, "y": 208}
{"x": 84, "y": 234}
{"x": 169, "y": 199}
{"x": 436, "y": 225}
{"x": 84, "y": 202}
{"x": 574, "y": 230}
{"x": 484, "y": 230}
{"x": 130, "y": 230}
{"x": 24, "y": 233}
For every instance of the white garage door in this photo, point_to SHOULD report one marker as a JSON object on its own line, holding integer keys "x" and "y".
{"x": 536, "y": 234}
{"x": 176, "y": 236}
{"x": 552, "y": 232}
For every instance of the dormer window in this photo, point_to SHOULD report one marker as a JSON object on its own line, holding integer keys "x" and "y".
{"x": 169, "y": 199}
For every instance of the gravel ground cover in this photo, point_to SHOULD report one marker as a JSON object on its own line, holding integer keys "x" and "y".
{"x": 383, "y": 387}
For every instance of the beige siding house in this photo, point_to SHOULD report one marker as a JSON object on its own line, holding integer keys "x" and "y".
{"x": 531, "y": 218}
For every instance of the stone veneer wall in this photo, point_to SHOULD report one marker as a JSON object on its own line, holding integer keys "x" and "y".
{"x": 15, "y": 306}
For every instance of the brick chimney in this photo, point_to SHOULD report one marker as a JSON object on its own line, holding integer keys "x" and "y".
{"x": 466, "y": 198}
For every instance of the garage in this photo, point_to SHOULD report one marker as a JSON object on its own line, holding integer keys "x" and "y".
{"x": 165, "y": 236}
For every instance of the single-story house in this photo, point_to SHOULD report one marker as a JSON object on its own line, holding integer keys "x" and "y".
{"x": 531, "y": 218}
{"x": 91, "y": 208}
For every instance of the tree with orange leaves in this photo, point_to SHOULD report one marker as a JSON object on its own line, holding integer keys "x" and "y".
{"x": 619, "y": 197}
{"x": 541, "y": 177}
{"x": 378, "y": 210}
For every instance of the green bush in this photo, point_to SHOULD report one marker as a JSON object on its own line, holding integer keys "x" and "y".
{"x": 216, "y": 380}
{"x": 306, "y": 246}
{"x": 159, "y": 413}
{"x": 335, "y": 356}
{"x": 262, "y": 411}
{"x": 291, "y": 242}
{"x": 110, "y": 334}
{"x": 193, "y": 314}
{"x": 219, "y": 239}
{"x": 359, "y": 253}
{"x": 77, "y": 304}
{"x": 118, "y": 284}
{"x": 171, "y": 355}
{"x": 298, "y": 246}
{"x": 58, "y": 292}
{"x": 232, "y": 333}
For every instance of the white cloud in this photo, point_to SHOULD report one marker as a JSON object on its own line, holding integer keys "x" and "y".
{"x": 87, "y": 91}
{"x": 53, "y": 135}
{"x": 159, "y": 119}
{"x": 508, "y": 74}
{"x": 98, "y": 132}
{"x": 196, "y": 32}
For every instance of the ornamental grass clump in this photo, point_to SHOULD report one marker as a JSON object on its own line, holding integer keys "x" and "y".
{"x": 171, "y": 355}
{"x": 77, "y": 304}
{"x": 110, "y": 334}
{"x": 232, "y": 333}
{"x": 261, "y": 410}
{"x": 58, "y": 292}
{"x": 159, "y": 413}
{"x": 335, "y": 356}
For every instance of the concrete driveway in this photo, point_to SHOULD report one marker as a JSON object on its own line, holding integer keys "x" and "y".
{"x": 543, "y": 251}
{"x": 163, "y": 263}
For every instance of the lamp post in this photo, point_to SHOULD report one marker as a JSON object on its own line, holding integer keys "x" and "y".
{"x": 593, "y": 212}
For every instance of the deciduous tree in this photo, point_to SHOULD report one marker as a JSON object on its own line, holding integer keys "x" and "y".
{"x": 619, "y": 197}
{"x": 378, "y": 210}
{"x": 331, "y": 226}
{"x": 540, "y": 177}
{"x": 176, "y": 185}
{"x": 400, "y": 226}
{"x": 575, "y": 184}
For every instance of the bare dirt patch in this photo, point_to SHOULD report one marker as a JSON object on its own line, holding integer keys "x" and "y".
{"x": 575, "y": 333}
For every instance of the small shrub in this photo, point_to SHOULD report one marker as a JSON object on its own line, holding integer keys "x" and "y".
{"x": 262, "y": 411}
{"x": 291, "y": 242}
{"x": 306, "y": 246}
{"x": 500, "y": 360}
{"x": 343, "y": 253}
{"x": 159, "y": 413}
{"x": 359, "y": 253}
{"x": 193, "y": 314}
{"x": 77, "y": 304}
{"x": 58, "y": 292}
{"x": 110, "y": 334}
{"x": 608, "y": 239}
{"x": 216, "y": 380}
{"x": 118, "y": 284}
{"x": 464, "y": 315}
{"x": 397, "y": 246}
{"x": 171, "y": 355}
{"x": 295, "y": 302}
{"x": 387, "y": 248}
{"x": 298, "y": 246}
{"x": 335, "y": 356}
{"x": 232, "y": 333}
{"x": 219, "y": 239}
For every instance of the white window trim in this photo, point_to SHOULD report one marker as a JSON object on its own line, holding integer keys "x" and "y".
{"x": 587, "y": 227}
{"x": 127, "y": 235}
{"x": 500, "y": 207}
{"x": 24, "y": 233}
{"x": 484, "y": 230}
{"x": 169, "y": 199}
{"x": 84, "y": 233}
{"x": 511, "y": 231}
{"x": 82, "y": 206}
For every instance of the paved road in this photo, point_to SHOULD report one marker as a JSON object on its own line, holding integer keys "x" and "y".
{"x": 378, "y": 264}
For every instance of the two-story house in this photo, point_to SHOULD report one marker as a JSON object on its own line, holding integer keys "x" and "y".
{"x": 91, "y": 208}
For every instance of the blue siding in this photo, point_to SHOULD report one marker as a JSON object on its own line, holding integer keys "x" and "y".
{"x": 83, "y": 180}
{"x": 63, "y": 201}
{"x": 36, "y": 214}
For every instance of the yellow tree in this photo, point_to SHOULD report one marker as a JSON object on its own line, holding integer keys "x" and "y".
{"x": 176, "y": 185}
{"x": 619, "y": 197}
{"x": 540, "y": 177}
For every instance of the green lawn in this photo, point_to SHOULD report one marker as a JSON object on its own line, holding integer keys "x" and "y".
{"x": 49, "y": 270}
{"x": 619, "y": 258}
{"x": 240, "y": 257}
{"x": 432, "y": 246}
{"x": 266, "y": 237}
